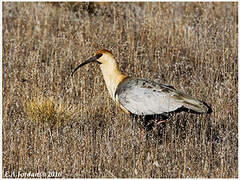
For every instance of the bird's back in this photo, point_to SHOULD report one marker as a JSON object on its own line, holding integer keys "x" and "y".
{"x": 143, "y": 97}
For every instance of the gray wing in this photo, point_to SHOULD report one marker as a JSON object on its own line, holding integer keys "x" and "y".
{"x": 143, "y": 97}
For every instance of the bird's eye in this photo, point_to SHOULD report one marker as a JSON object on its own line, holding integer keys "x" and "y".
{"x": 98, "y": 55}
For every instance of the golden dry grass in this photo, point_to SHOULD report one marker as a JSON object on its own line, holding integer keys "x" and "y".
{"x": 47, "y": 111}
{"x": 191, "y": 46}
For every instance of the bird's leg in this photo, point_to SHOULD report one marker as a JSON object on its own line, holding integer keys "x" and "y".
{"x": 142, "y": 133}
{"x": 160, "y": 122}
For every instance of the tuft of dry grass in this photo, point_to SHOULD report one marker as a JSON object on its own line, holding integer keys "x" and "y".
{"x": 46, "y": 110}
{"x": 191, "y": 46}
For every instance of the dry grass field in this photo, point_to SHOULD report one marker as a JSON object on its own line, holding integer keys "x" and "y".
{"x": 58, "y": 126}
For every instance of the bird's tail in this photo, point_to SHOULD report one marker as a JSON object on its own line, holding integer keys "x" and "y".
{"x": 196, "y": 105}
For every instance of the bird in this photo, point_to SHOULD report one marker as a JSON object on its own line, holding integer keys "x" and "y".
{"x": 143, "y": 97}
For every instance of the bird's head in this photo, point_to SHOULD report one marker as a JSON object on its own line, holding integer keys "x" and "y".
{"x": 102, "y": 57}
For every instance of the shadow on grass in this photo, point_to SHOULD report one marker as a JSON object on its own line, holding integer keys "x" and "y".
{"x": 155, "y": 125}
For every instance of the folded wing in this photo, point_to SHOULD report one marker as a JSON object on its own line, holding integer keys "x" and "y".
{"x": 143, "y": 97}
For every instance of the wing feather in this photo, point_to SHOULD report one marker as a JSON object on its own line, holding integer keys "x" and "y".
{"x": 143, "y": 97}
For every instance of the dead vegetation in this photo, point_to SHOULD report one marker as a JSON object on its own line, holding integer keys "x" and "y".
{"x": 191, "y": 46}
{"x": 46, "y": 110}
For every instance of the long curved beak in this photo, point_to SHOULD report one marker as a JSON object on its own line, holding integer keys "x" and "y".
{"x": 92, "y": 59}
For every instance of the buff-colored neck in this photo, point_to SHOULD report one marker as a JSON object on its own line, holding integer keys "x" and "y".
{"x": 112, "y": 77}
